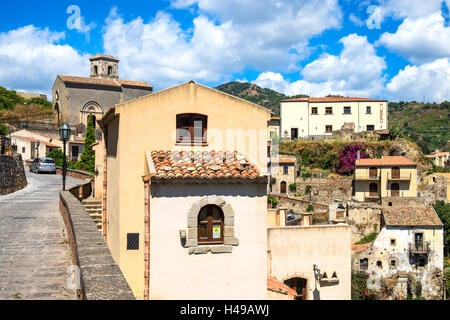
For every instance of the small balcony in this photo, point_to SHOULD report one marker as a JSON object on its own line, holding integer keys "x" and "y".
{"x": 367, "y": 177}
{"x": 421, "y": 248}
{"x": 371, "y": 196}
{"x": 399, "y": 177}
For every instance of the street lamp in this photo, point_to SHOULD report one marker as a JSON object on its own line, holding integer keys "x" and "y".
{"x": 64, "y": 134}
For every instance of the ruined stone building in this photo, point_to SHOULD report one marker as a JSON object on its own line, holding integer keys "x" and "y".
{"x": 74, "y": 98}
{"x": 406, "y": 258}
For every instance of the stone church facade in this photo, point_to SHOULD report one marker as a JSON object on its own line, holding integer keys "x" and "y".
{"x": 74, "y": 98}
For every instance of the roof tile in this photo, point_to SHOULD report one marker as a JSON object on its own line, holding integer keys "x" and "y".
{"x": 206, "y": 165}
{"x": 333, "y": 99}
{"x": 411, "y": 216}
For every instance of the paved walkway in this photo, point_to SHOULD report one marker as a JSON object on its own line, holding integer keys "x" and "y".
{"x": 34, "y": 253}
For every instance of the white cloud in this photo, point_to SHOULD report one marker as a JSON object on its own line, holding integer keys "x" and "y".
{"x": 420, "y": 40}
{"x": 357, "y": 71}
{"x": 30, "y": 59}
{"x": 226, "y": 37}
{"x": 355, "y": 20}
{"x": 430, "y": 80}
{"x": 410, "y": 9}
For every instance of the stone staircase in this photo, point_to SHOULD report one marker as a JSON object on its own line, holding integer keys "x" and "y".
{"x": 94, "y": 208}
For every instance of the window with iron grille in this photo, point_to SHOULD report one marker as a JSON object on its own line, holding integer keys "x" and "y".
{"x": 133, "y": 241}
{"x": 329, "y": 110}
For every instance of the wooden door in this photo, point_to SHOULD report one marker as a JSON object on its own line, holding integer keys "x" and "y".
{"x": 373, "y": 190}
{"x": 283, "y": 187}
{"x": 373, "y": 172}
{"x": 299, "y": 285}
{"x": 395, "y": 190}
{"x": 395, "y": 173}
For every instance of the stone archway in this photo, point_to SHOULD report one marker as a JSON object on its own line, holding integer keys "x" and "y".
{"x": 93, "y": 108}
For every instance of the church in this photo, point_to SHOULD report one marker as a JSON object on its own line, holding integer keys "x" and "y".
{"x": 74, "y": 98}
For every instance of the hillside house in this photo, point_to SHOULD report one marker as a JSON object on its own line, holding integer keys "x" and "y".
{"x": 440, "y": 159}
{"x": 185, "y": 183}
{"x": 376, "y": 179}
{"x": 319, "y": 117}
{"x": 407, "y": 255}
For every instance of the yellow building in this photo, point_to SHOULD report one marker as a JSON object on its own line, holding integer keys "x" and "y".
{"x": 309, "y": 117}
{"x": 387, "y": 177}
{"x": 186, "y": 183}
{"x": 440, "y": 159}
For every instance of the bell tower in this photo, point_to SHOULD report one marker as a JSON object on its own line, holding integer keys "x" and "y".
{"x": 104, "y": 66}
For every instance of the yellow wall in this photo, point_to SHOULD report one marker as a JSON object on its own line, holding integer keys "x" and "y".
{"x": 149, "y": 123}
{"x": 408, "y": 184}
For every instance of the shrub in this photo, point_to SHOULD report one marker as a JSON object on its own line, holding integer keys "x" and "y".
{"x": 310, "y": 208}
{"x": 347, "y": 159}
{"x": 359, "y": 287}
{"x": 57, "y": 156}
{"x": 293, "y": 187}
{"x": 367, "y": 239}
{"x": 308, "y": 189}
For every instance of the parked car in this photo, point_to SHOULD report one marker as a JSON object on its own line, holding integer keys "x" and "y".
{"x": 290, "y": 216}
{"x": 43, "y": 165}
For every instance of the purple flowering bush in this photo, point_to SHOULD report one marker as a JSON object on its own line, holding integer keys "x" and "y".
{"x": 347, "y": 159}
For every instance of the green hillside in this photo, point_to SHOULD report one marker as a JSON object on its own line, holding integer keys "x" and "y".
{"x": 265, "y": 97}
{"x": 425, "y": 123}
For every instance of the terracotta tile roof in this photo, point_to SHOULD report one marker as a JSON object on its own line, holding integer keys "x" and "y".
{"x": 103, "y": 82}
{"x": 274, "y": 284}
{"x": 202, "y": 166}
{"x": 133, "y": 83}
{"x": 48, "y": 144}
{"x": 334, "y": 99}
{"x": 437, "y": 154}
{"x": 285, "y": 160}
{"x": 360, "y": 247}
{"x": 411, "y": 216}
{"x": 386, "y": 161}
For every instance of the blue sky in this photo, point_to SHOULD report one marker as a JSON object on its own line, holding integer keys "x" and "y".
{"x": 395, "y": 49}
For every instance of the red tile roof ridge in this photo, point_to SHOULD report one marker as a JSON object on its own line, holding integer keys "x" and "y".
{"x": 276, "y": 285}
{"x": 334, "y": 99}
{"x": 385, "y": 161}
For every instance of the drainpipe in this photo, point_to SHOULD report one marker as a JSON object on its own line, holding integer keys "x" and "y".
{"x": 146, "y": 237}
{"x": 105, "y": 184}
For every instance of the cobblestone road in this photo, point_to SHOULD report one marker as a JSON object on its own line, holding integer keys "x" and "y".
{"x": 34, "y": 254}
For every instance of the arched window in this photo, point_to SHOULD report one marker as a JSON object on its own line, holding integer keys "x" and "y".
{"x": 210, "y": 225}
{"x": 95, "y": 70}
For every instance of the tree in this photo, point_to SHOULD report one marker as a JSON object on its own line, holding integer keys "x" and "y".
{"x": 395, "y": 132}
{"x": 293, "y": 187}
{"x": 87, "y": 160}
{"x": 347, "y": 159}
{"x": 3, "y": 130}
{"x": 443, "y": 211}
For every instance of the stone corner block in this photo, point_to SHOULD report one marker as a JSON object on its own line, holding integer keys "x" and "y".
{"x": 231, "y": 241}
{"x": 199, "y": 250}
{"x": 222, "y": 249}
{"x": 191, "y": 243}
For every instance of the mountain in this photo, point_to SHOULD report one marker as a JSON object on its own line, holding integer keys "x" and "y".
{"x": 251, "y": 92}
{"x": 425, "y": 123}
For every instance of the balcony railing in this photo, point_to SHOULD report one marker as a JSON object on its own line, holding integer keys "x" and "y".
{"x": 401, "y": 177}
{"x": 367, "y": 177}
{"x": 423, "y": 248}
{"x": 371, "y": 196}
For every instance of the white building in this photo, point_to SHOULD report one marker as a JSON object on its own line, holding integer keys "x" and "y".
{"x": 32, "y": 145}
{"x": 407, "y": 255}
{"x": 319, "y": 117}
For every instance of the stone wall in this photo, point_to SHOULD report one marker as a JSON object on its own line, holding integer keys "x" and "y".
{"x": 325, "y": 190}
{"x": 101, "y": 278}
{"x": 364, "y": 218}
{"x": 12, "y": 174}
{"x": 435, "y": 191}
